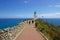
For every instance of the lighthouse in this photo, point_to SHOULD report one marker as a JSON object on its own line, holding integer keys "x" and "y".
{"x": 35, "y": 15}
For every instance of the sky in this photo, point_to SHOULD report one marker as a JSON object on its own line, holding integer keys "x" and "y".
{"x": 26, "y": 8}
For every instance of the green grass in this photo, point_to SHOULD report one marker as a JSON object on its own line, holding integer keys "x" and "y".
{"x": 51, "y": 31}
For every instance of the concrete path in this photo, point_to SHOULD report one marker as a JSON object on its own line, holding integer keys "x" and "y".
{"x": 30, "y": 33}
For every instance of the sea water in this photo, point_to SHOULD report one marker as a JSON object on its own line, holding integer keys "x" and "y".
{"x": 9, "y": 22}
{"x": 54, "y": 21}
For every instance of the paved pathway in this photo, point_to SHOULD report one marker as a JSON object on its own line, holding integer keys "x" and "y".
{"x": 30, "y": 33}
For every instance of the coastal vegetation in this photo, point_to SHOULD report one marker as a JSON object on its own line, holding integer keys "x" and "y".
{"x": 51, "y": 31}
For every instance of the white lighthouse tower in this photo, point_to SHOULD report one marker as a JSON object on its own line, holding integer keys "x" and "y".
{"x": 35, "y": 16}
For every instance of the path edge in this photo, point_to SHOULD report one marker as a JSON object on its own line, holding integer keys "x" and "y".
{"x": 19, "y": 33}
{"x": 43, "y": 36}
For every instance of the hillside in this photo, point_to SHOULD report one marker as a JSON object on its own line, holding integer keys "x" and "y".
{"x": 51, "y": 31}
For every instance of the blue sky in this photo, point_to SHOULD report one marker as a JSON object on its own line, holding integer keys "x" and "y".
{"x": 26, "y": 8}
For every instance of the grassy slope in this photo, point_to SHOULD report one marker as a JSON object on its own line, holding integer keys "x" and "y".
{"x": 50, "y": 31}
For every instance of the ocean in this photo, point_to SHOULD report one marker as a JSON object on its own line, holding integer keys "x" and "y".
{"x": 6, "y": 23}
{"x": 54, "y": 21}
{"x": 9, "y": 22}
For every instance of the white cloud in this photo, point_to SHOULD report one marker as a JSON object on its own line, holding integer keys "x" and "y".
{"x": 57, "y": 5}
{"x": 50, "y": 15}
{"x": 25, "y": 1}
{"x": 50, "y": 5}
